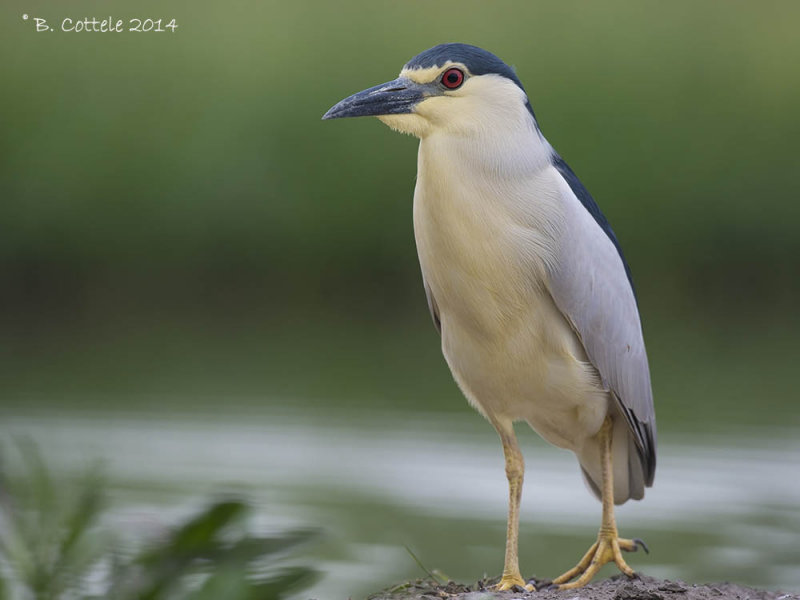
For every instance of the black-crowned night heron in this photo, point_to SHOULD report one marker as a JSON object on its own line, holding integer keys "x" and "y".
{"x": 526, "y": 283}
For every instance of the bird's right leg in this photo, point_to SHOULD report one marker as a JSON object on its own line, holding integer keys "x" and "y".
{"x": 609, "y": 545}
{"x": 515, "y": 471}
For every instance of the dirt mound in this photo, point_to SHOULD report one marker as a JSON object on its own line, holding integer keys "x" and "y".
{"x": 615, "y": 588}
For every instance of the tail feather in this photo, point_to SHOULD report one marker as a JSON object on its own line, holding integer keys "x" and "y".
{"x": 629, "y": 480}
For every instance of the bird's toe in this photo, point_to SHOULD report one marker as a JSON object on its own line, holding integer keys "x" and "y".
{"x": 509, "y": 582}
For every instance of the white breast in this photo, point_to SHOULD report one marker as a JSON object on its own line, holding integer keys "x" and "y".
{"x": 486, "y": 237}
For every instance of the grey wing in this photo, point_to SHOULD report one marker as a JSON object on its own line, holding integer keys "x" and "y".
{"x": 591, "y": 287}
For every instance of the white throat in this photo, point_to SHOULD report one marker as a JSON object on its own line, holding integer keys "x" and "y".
{"x": 487, "y": 209}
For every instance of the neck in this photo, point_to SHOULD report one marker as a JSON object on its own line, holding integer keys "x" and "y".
{"x": 514, "y": 149}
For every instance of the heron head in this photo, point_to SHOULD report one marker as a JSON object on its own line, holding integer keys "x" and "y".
{"x": 454, "y": 88}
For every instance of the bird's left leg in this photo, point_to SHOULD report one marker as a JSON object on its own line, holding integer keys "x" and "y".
{"x": 609, "y": 545}
{"x": 515, "y": 471}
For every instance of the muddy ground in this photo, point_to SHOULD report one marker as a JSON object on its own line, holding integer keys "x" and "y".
{"x": 615, "y": 588}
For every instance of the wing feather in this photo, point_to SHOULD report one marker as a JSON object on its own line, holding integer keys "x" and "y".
{"x": 591, "y": 286}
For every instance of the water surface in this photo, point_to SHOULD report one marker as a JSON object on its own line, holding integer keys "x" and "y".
{"x": 724, "y": 507}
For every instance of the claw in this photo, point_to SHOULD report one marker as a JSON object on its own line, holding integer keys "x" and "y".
{"x": 640, "y": 542}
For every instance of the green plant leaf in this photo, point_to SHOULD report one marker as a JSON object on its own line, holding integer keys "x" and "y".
{"x": 259, "y": 548}
{"x": 197, "y": 537}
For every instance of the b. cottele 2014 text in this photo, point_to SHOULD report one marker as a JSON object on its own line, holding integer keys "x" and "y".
{"x": 108, "y": 25}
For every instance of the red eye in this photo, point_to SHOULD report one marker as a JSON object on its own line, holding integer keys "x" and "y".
{"x": 452, "y": 78}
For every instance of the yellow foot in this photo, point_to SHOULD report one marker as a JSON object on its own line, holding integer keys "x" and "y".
{"x": 606, "y": 549}
{"x": 509, "y": 581}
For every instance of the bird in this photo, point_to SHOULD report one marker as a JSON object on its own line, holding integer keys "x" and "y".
{"x": 526, "y": 283}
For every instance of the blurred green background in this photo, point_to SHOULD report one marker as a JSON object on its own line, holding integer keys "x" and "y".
{"x": 179, "y": 232}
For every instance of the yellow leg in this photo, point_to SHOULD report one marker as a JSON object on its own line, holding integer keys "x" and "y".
{"x": 608, "y": 546}
{"x": 515, "y": 471}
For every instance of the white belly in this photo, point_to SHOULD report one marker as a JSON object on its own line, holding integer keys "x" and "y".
{"x": 508, "y": 346}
